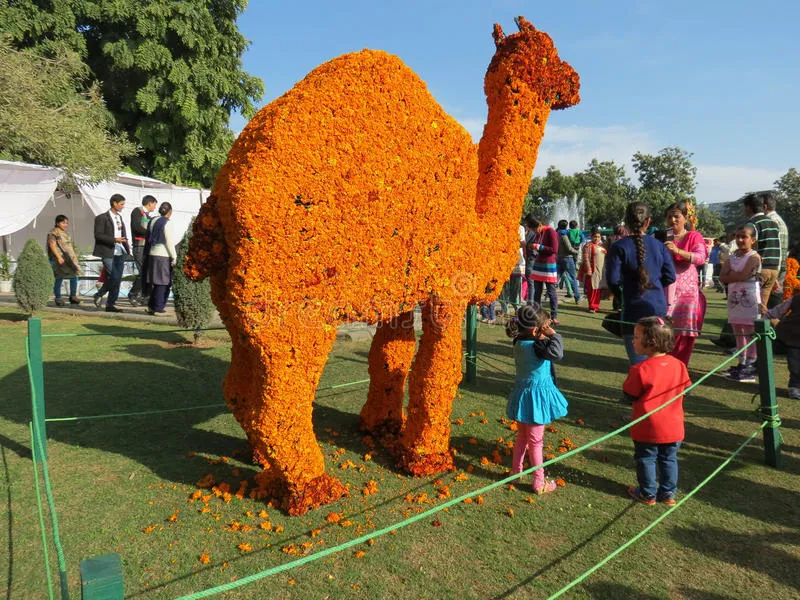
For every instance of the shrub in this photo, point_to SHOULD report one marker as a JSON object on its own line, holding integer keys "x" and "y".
{"x": 5, "y": 266}
{"x": 193, "y": 305}
{"x": 33, "y": 279}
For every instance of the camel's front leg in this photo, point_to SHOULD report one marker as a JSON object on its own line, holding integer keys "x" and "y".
{"x": 390, "y": 359}
{"x": 433, "y": 383}
{"x": 287, "y": 361}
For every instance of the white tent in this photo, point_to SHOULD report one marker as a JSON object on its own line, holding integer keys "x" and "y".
{"x": 30, "y": 202}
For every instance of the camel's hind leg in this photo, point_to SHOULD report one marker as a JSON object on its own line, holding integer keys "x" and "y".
{"x": 286, "y": 362}
{"x": 433, "y": 384}
{"x": 390, "y": 359}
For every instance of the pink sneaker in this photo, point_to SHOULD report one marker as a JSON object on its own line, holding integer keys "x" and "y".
{"x": 548, "y": 486}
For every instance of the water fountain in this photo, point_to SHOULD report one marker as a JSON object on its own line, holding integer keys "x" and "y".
{"x": 569, "y": 209}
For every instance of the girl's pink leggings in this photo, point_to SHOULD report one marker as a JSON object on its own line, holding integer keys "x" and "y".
{"x": 530, "y": 438}
{"x": 743, "y": 335}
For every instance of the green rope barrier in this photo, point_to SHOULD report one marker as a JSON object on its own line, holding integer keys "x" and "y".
{"x": 172, "y": 410}
{"x": 41, "y": 515}
{"x": 62, "y": 563}
{"x": 635, "y": 538}
{"x": 133, "y": 414}
{"x": 128, "y": 333}
{"x": 431, "y": 511}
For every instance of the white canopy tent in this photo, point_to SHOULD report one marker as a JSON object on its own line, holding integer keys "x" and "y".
{"x": 30, "y": 201}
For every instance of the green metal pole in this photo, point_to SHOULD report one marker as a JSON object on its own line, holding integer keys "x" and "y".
{"x": 37, "y": 380}
{"x": 766, "y": 386}
{"x": 472, "y": 343}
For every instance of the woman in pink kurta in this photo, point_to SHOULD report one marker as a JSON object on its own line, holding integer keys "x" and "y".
{"x": 687, "y": 304}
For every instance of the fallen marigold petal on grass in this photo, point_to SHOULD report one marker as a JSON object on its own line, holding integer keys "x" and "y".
{"x": 359, "y": 554}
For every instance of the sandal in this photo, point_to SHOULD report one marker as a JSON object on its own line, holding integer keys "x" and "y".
{"x": 548, "y": 486}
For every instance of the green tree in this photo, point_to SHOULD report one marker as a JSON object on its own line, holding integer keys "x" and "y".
{"x": 544, "y": 191}
{"x": 193, "y": 305}
{"x": 33, "y": 279}
{"x": 170, "y": 70}
{"x": 709, "y": 222}
{"x": 789, "y": 204}
{"x": 45, "y": 119}
{"x": 606, "y": 191}
{"x": 664, "y": 178}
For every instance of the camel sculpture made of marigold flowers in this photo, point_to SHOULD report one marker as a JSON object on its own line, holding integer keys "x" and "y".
{"x": 355, "y": 197}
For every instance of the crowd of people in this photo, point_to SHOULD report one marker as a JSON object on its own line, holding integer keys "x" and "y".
{"x": 153, "y": 251}
{"x": 658, "y": 277}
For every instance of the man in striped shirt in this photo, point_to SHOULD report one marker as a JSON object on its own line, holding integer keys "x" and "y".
{"x": 770, "y": 204}
{"x": 769, "y": 245}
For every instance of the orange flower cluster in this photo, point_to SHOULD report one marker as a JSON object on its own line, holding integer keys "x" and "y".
{"x": 336, "y": 204}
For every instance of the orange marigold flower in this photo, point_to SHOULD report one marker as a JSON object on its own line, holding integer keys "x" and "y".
{"x": 549, "y": 456}
{"x": 461, "y": 477}
{"x": 333, "y": 517}
{"x": 173, "y": 517}
{"x": 459, "y": 421}
{"x": 265, "y": 525}
{"x": 485, "y": 461}
{"x": 513, "y": 426}
{"x": 467, "y": 500}
{"x": 206, "y": 482}
{"x": 149, "y": 528}
{"x": 479, "y": 500}
{"x": 560, "y": 482}
{"x": 315, "y": 532}
{"x": 552, "y": 428}
{"x": 244, "y": 547}
{"x": 370, "y": 488}
{"x": 580, "y": 421}
{"x": 359, "y": 554}
{"x": 263, "y": 514}
{"x": 510, "y": 512}
{"x": 484, "y": 421}
{"x": 205, "y": 559}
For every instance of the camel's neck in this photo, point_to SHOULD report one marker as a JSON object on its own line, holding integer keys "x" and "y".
{"x": 507, "y": 153}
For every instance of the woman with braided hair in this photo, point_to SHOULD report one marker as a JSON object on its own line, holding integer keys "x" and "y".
{"x": 642, "y": 266}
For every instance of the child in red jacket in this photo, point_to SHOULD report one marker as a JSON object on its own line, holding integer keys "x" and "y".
{"x": 650, "y": 384}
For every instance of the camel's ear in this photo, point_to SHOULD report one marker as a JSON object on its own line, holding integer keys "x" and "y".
{"x": 523, "y": 24}
{"x": 498, "y": 35}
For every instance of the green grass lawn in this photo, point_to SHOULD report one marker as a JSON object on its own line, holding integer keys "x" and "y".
{"x": 125, "y": 484}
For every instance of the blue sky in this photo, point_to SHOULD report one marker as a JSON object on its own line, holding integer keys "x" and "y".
{"x": 719, "y": 79}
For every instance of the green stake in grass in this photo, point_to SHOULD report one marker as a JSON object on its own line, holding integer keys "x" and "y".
{"x": 472, "y": 343}
{"x": 36, "y": 366}
{"x": 766, "y": 387}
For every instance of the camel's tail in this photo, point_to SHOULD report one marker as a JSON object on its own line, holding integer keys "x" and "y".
{"x": 208, "y": 251}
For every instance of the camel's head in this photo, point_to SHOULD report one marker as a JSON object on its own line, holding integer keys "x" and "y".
{"x": 529, "y": 57}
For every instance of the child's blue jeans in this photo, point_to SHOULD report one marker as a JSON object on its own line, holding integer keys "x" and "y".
{"x": 663, "y": 456}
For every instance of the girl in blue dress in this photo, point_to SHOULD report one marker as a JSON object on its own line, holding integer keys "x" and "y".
{"x": 535, "y": 400}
